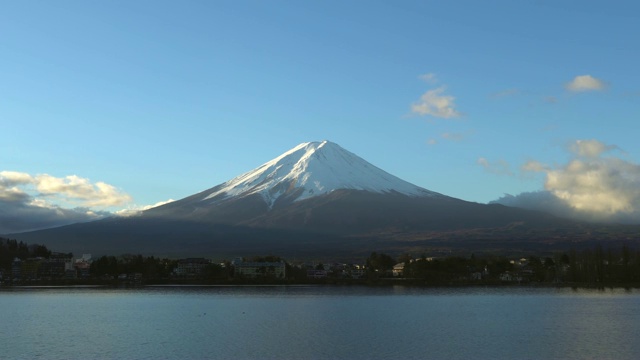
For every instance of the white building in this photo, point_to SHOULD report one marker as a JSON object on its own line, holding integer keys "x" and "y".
{"x": 398, "y": 269}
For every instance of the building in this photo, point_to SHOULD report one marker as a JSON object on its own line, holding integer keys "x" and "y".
{"x": 358, "y": 273}
{"x": 56, "y": 266}
{"x": 26, "y": 269}
{"x": 191, "y": 267}
{"x": 508, "y": 276}
{"x": 252, "y": 270}
{"x": 316, "y": 274}
{"x": 83, "y": 266}
{"x": 51, "y": 270}
{"x": 16, "y": 269}
{"x": 398, "y": 269}
{"x": 39, "y": 268}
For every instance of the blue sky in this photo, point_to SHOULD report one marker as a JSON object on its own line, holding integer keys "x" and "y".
{"x": 118, "y": 105}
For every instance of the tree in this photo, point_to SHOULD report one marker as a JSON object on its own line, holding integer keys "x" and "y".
{"x": 380, "y": 262}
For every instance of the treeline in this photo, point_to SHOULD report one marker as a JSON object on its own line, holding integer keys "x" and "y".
{"x": 455, "y": 269}
{"x": 12, "y": 249}
{"x": 594, "y": 266}
{"x": 150, "y": 267}
{"x": 599, "y": 265}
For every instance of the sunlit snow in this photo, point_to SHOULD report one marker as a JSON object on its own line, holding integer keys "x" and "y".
{"x": 315, "y": 168}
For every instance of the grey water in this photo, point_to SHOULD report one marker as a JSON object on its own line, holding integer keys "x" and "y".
{"x": 319, "y": 322}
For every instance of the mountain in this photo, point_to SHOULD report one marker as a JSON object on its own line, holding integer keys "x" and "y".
{"x": 322, "y": 187}
{"x": 302, "y": 179}
{"x": 313, "y": 169}
{"x": 316, "y": 199}
{"x": 308, "y": 170}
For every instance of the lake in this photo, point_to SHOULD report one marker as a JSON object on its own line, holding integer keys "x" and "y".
{"x": 319, "y": 322}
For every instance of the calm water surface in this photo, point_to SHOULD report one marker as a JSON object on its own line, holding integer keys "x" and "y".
{"x": 319, "y": 323}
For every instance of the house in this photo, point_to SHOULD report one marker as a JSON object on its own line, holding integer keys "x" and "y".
{"x": 262, "y": 269}
{"x": 83, "y": 266}
{"x": 398, "y": 269}
{"x": 508, "y": 276}
{"x": 358, "y": 273}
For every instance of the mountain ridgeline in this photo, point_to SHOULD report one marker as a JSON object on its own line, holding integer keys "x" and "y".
{"x": 319, "y": 199}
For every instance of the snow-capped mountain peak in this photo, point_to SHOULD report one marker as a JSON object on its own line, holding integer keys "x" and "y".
{"x": 311, "y": 169}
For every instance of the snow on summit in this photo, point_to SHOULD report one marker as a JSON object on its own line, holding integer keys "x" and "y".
{"x": 311, "y": 169}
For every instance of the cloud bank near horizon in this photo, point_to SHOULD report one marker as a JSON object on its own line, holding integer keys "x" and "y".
{"x": 591, "y": 186}
{"x": 70, "y": 189}
{"x": 32, "y": 202}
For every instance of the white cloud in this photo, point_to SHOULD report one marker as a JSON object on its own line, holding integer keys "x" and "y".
{"x": 434, "y": 103}
{"x": 590, "y": 148}
{"x": 585, "y": 83}
{"x": 429, "y": 78}
{"x": 30, "y": 202}
{"x": 589, "y": 186}
{"x": 12, "y": 178}
{"x": 601, "y": 185}
{"x": 80, "y": 189}
{"x": 70, "y": 188}
{"x": 12, "y": 194}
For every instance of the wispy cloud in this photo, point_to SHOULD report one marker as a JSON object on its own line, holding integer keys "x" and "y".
{"x": 505, "y": 93}
{"x": 435, "y": 103}
{"x": 450, "y": 136}
{"x": 589, "y": 186}
{"x": 499, "y": 167}
{"x": 429, "y": 78}
{"x": 136, "y": 210}
{"x": 584, "y": 83}
{"x": 533, "y": 166}
{"x": 455, "y": 136}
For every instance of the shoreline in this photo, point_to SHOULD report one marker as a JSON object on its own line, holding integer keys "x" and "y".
{"x": 365, "y": 283}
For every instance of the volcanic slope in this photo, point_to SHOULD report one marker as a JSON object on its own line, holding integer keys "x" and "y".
{"x": 302, "y": 179}
{"x": 322, "y": 187}
{"x": 315, "y": 198}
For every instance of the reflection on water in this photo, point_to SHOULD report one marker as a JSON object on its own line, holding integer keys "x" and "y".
{"x": 322, "y": 322}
